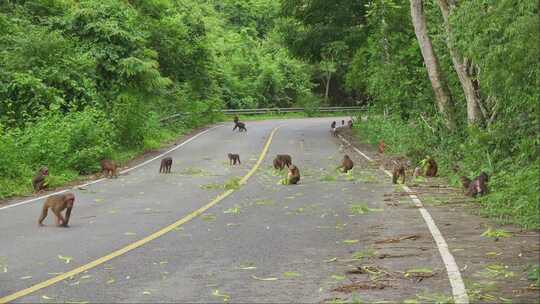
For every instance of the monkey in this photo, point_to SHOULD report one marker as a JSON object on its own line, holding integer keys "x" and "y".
{"x": 342, "y": 122}
{"x": 294, "y": 175}
{"x": 350, "y": 124}
{"x": 417, "y": 172}
{"x": 109, "y": 168}
{"x": 278, "y": 164}
{"x": 57, "y": 203}
{"x": 399, "y": 171}
{"x": 478, "y": 185}
{"x": 465, "y": 182}
{"x": 286, "y": 159}
{"x": 241, "y": 126}
{"x": 347, "y": 164}
{"x": 233, "y": 159}
{"x": 431, "y": 170}
{"x": 38, "y": 182}
{"x": 235, "y": 119}
{"x": 166, "y": 165}
{"x": 381, "y": 146}
{"x": 333, "y": 125}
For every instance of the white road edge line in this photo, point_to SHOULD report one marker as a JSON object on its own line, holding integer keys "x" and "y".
{"x": 458, "y": 287}
{"x": 121, "y": 172}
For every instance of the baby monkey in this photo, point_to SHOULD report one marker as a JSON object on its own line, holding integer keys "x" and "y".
{"x": 293, "y": 177}
{"x": 233, "y": 159}
{"x": 347, "y": 164}
{"x": 58, "y": 203}
{"x": 166, "y": 165}
{"x": 38, "y": 182}
{"x": 477, "y": 186}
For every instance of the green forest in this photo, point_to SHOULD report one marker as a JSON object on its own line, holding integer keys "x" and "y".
{"x": 458, "y": 80}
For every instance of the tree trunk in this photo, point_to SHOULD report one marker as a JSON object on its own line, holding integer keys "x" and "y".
{"x": 329, "y": 76}
{"x": 471, "y": 93}
{"x": 440, "y": 88}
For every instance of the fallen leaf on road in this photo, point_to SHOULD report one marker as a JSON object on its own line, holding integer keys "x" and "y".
{"x": 130, "y": 233}
{"x": 66, "y": 259}
{"x": 77, "y": 302}
{"x": 350, "y": 241}
{"x": 55, "y": 273}
{"x": 225, "y": 297}
{"x": 111, "y": 281}
{"x": 208, "y": 217}
{"x": 235, "y": 210}
{"x": 98, "y": 200}
{"x": 338, "y": 277}
{"x": 86, "y": 276}
{"x": 178, "y": 228}
{"x": 264, "y": 279}
{"x": 44, "y": 297}
{"x": 291, "y": 274}
{"x": 330, "y": 260}
{"x": 75, "y": 283}
{"x": 247, "y": 268}
{"x": 25, "y": 277}
{"x": 493, "y": 253}
{"x": 233, "y": 224}
{"x": 146, "y": 292}
{"x": 399, "y": 239}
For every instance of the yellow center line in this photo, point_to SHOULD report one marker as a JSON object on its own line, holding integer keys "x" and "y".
{"x": 141, "y": 242}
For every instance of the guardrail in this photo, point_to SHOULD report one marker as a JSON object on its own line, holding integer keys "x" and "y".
{"x": 270, "y": 111}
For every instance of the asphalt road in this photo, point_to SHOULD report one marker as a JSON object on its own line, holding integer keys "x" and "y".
{"x": 266, "y": 242}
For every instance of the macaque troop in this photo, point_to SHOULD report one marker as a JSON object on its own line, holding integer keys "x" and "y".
{"x": 62, "y": 204}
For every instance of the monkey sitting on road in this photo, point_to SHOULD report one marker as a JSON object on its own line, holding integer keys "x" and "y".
{"x": 399, "y": 171}
{"x": 293, "y": 176}
{"x": 38, "y": 182}
{"x": 166, "y": 165}
{"x": 58, "y": 203}
{"x": 278, "y": 164}
{"x": 233, "y": 159}
{"x": 347, "y": 164}
{"x": 109, "y": 168}
{"x": 286, "y": 159}
{"x": 241, "y": 126}
{"x": 350, "y": 124}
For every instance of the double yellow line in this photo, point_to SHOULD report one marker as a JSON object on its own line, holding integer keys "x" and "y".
{"x": 141, "y": 242}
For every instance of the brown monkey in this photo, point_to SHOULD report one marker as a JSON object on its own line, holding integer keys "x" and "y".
{"x": 38, "y": 182}
{"x": 381, "y": 146}
{"x": 417, "y": 172}
{"x": 294, "y": 175}
{"x": 166, "y": 165}
{"x": 235, "y": 119}
{"x": 431, "y": 170}
{"x": 109, "y": 168}
{"x": 478, "y": 185}
{"x": 241, "y": 126}
{"x": 278, "y": 164}
{"x": 350, "y": 124}
{"x": 342, "y": 123}
{"x": 347, "y": 164}
{"x": 57, "y": 203}
{"x": 399, "y": 171}
{"x": 233, "y": 159}
{"x": 286, "y": 159}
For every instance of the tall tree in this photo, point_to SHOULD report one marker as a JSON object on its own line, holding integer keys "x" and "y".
{"x": 463, "y": 68}
{"x": 443, "y": 96}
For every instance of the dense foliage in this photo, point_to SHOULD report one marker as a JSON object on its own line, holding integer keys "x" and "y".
{"x": 85, "y": 79}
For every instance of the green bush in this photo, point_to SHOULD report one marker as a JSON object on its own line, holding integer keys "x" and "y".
{"x": 514, "y": 179}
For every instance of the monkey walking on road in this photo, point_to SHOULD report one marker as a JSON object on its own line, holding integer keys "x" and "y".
{"x": 58, "y": 203}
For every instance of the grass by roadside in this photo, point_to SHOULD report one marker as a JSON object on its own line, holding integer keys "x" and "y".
{"x": 514, "y": 194}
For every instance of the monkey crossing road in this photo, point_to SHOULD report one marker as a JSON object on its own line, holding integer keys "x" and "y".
{"x": 261, "y": 241}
